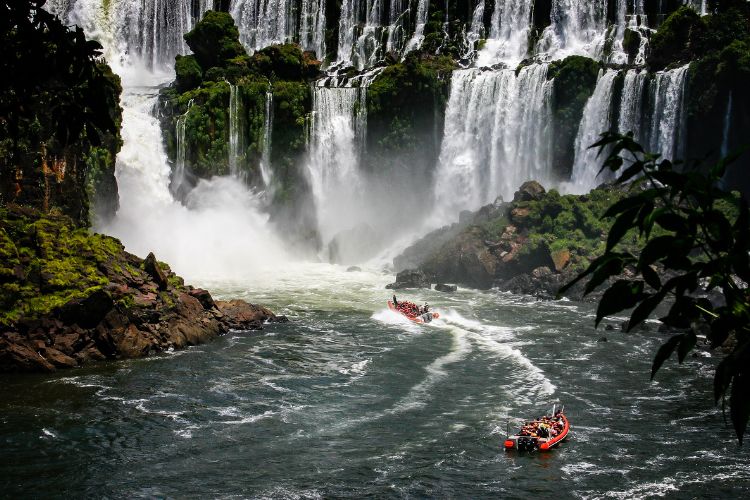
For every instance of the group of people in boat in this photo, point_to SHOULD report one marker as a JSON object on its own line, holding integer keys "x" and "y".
{"x": 544, "y": 427}
{"x": 410, "y": 308}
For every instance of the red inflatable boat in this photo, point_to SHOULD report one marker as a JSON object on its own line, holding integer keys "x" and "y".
{"x": 410, "y": 310}
{"x": 542, "y": 434}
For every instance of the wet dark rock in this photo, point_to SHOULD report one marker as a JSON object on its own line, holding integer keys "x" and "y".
{"x": 151, "y": 266}
{"x": 203, "y": 297}
{"x": 87, "y": 312}
{"x": 441, "y": 287}
{"x": 602, "y": 339}
{"x": 353, "y": 269}
{"x": 609, "y": 327}
{"x": 529, "y": 191}
{"x": 117, "y": 309}
{"x": 410, "y": 278}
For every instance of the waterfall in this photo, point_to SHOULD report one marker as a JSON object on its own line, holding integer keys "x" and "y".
{"x": 264, "y": 22}
{"x": 265, "y": 161}
{"x": 235, "y": 130}
{"x": 179, "y": 184}
{"x": 597, "y": 118}
{"x": 509, "y": 33}
{"x": 496, "y": 136}
{"x": 631, "y": 103}
{"x": 418, "y": 37}
{"x": 337, "y": 133}
{"x": 398, "y": 14}
{"x": 578, "y": 27}
{"x": 727, "y": 128}
{"x": 476, "y": 29}
{"x": 313, "y": 27}
{"x": 347, "y": 27}
{"x": 667, "y": 118}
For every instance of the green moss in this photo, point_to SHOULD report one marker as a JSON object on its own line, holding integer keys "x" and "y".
{"x": 188, "y": 73}
{"x": 574, "y": 82}
{"x": 47, "y": 262}
{"x": 403, "y": 103}
{"x": 215, "y": 40}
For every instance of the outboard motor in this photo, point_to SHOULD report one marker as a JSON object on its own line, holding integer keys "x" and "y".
{"x": 527, "y": 443}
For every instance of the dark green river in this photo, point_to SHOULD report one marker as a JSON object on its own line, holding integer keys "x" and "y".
{"x": 350, "y": 401}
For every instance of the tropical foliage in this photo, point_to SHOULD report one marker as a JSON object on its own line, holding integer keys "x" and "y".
{"x": 695, "y": 238}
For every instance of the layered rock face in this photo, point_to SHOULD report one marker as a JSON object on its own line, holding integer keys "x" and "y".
{"x": 69, "y": 297}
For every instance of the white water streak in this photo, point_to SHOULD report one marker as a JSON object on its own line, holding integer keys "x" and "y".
{"x": 597, "y": 118}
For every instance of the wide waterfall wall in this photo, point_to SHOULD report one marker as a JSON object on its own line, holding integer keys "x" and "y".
{"x": 267, "y": 22}
{"x": 496, "y": 136}
{"x": 500, "y": 124}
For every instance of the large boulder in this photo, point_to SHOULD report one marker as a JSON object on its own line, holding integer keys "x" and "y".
{"x": 151, "y": 266}
{"x": 529, "y": 191}
{"x": 410, "y": 278}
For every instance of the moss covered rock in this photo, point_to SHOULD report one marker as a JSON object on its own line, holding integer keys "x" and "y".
{"x": 574, "y": 82}
{"x": 68, "y": 296}
{"x": 215, "y": 40}
{"x": 543, "y": 235}
{"x": 59, "y": 131}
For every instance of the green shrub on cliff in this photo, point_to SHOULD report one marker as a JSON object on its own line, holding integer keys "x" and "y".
{"x": 215, "y": 40}
{"x": 402, "y": 105}
{"x": 686, "y": 36}
{"x": 188, "y": 73}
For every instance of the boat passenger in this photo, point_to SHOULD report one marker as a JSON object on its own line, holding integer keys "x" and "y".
{"x": 395, "y": 302}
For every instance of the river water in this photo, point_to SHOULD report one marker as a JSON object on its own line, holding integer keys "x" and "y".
{"x": 350, "y": 400}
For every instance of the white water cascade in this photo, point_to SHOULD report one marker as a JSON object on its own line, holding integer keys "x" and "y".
{"x": 577, "y": 28}
{"x": 630, "y": 117}
{"x": 147, "y": 33}
{"x": 178, "y": 183}
{"x": 265, "y": 161}
{"x": 337, "y": 133}
{"x": 418, "y": 37}
{"x": 667, "y": 118}
{"x": 727, "y": 127}
{"x": 266, "y": 22}
{"x": 496, "y": 136}
{"x": 235, "y": 130}
{"x": 597, "y": 118}
{"x": 509, "y": 33}
{"x": 219, "y": 231}
{"x": 313, "y": 27}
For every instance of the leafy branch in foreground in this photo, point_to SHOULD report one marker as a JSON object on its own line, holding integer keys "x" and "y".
{"x": 696, "y": 234}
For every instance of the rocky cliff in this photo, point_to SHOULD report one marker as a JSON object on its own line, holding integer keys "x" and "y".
{"x": 69, "y": 297}
{"x": 532, "y": 245}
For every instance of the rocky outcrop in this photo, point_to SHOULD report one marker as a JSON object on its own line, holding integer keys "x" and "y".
{"x": 533, "y": 245}
{"x": 442, "y": 287}
{"x": 412, "y": 278}
{"x": 69, "y": 297}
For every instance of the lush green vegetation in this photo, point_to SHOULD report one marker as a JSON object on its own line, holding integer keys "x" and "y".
{"x": 202, "y": 92}
{"x": 45, "y": 261}
{"x": 699, "y": 235}
{"x": 59, "y": 131}
{"x": 402, "y": 105}
{"x": 574, "y": 82}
